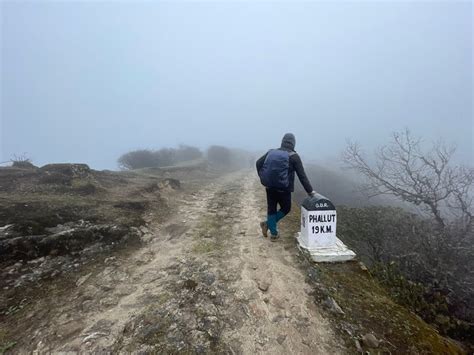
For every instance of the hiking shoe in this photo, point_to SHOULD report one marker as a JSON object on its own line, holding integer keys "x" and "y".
{"x": 264, "y": 227}
{"x": 274, "y": 238}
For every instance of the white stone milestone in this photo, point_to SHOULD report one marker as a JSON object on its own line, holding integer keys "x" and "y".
{"x": 318, "y": 231}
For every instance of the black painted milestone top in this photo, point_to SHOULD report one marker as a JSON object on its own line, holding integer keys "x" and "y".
{"x": 318, "y": 202}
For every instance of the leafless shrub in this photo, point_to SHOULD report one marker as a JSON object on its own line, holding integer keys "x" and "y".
{"x": 21, "y": 161}
{"x": 424, "y": 178}
{"x": 437, "y": 247}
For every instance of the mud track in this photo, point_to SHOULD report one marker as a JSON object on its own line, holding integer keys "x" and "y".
{"x": 207, "y": 281}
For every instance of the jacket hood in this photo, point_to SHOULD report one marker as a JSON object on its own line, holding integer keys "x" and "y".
{"x": 288, "y": 141}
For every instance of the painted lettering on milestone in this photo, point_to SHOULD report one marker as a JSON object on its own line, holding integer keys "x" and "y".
{"x": 321, "y": 229}
{"x": 321, "y": 222}
{"x": 321, "y": 205}
{"x": 325, "y": 218}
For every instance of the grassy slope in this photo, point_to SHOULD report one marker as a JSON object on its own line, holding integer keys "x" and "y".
{"x": 368, "y": 307}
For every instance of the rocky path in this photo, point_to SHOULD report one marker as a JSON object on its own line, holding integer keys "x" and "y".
{"x": 206, "y": 281}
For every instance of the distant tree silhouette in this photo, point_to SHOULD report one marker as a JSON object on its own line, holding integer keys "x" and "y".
{"x": 146, "y": 158}
{"x": 137, "y": 159}
{"x": 218, "y": 155}
{"x": 187, "y": 153}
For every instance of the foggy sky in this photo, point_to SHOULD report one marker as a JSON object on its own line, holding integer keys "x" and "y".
{"x": 87, "y": 81}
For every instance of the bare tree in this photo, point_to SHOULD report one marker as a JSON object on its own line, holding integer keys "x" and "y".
{"x": 424, "y": 178}
{"x": 437, "y": 251}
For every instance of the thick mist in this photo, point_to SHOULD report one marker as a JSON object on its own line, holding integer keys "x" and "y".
{"x": 89, "y": 81}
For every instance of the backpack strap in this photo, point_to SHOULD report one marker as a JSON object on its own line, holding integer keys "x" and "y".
{"x": 267, "y": 155}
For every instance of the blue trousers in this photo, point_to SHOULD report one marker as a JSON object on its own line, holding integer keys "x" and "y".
{"x": 277, "y": 198}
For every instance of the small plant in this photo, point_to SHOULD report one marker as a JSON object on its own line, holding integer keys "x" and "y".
{"x": 21, "y": 161}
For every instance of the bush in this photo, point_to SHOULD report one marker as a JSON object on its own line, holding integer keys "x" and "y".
{"x": 137, "y": 159}
{"x": 22, "y": 161}
{"x": 145, "y": 158}
{"x": 218, "y": 155}
{"x": 230, "y": 159}
{"x": 187, "y": 153}
{"x": 164, "y": 157}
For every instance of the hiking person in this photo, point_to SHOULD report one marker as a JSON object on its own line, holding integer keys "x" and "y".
{"x": 276, "y": 170}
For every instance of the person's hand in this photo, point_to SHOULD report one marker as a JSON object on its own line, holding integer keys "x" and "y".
{"x": 312, "y": 193}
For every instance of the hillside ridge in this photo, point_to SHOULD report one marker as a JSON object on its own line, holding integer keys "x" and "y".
{"x": 203, "y": 279}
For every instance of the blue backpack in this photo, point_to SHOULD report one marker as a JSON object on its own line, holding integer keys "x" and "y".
{"x": 275, "y": 170}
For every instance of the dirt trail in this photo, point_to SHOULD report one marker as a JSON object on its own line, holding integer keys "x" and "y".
{"x": 206, "y": 281}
